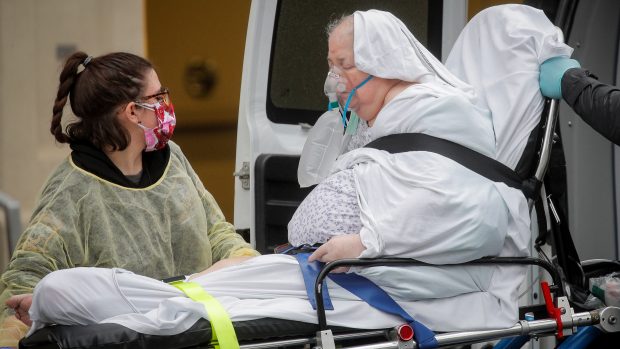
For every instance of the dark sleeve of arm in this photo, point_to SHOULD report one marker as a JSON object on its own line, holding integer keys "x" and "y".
{"x": 596, "y": 103}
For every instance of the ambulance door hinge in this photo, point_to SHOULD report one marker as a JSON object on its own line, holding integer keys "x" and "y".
{"x": 244, "y": 175}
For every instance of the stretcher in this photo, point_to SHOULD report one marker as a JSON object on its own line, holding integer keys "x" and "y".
{"x": 560, "y": 315}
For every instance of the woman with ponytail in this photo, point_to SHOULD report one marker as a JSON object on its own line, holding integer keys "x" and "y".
{"x": 126, "y": 196}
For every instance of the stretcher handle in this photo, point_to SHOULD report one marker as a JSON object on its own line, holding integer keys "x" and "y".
{"x": 369, "y": 262}
{"x": 548, "y": 129}
{"x": 547, "y": 142}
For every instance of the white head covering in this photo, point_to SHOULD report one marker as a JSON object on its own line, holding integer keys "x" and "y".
{"x": 384, "y": 47}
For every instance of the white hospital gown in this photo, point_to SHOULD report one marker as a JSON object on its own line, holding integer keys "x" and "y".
{"x": 360, "y": 138}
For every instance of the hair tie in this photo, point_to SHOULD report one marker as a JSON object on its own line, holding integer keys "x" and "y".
{"x": 87, "y": 60}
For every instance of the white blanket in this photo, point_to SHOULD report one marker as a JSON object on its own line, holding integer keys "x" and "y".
{"x": 266, "y": 286}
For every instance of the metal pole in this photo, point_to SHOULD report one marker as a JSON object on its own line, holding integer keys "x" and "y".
{"x": 13, "y": 220}
{"x": 536, "y": 328}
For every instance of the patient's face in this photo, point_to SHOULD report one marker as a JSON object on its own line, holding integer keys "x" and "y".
{"x": 367, "y": 101}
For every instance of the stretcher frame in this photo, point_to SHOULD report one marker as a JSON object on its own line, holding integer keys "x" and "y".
{"x": 564, "y": 323}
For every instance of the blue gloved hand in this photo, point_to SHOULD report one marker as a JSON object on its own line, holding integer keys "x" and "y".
{"x": 551, "y": 72}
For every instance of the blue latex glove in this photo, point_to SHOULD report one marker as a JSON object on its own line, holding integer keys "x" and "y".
{"x": 551, "y": 72}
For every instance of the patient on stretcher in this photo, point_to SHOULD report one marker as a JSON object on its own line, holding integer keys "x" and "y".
{"x": 413, "y": 204}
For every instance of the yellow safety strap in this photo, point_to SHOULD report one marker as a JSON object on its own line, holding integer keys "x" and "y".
{"x": 224, "y": 335}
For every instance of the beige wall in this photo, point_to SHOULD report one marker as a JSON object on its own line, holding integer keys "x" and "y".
{"x": 31, "y": 31}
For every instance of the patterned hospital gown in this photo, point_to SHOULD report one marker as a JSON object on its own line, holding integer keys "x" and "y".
{"x": 331, "y": 208}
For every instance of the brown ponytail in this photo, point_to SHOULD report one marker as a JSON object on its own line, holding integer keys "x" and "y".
{"x": 96, "y": 93}
{"x": 67, "y": 79}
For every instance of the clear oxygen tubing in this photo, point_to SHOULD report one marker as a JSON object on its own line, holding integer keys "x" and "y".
{"x": 333, "y": 86}
{"x": 351, "y": 94}
{"x": 331, "y": 89}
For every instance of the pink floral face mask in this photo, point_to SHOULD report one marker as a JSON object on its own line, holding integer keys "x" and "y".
{"x": 157, "y": 138}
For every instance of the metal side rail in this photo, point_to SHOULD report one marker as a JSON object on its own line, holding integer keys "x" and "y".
{"x": 607, "y": 318}
{"x": 559, "y": 311}
{"x": 536, "y": 328}
{"x": 557, "y": 287}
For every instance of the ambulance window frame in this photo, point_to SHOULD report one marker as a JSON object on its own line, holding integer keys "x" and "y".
{"x": 294, "y": 116}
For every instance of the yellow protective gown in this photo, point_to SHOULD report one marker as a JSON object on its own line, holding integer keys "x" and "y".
{"x": 172, "y": 227}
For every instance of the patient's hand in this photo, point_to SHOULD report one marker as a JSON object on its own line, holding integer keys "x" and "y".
{"x": 339, "y": 247}
{"x": 21, "y": 304}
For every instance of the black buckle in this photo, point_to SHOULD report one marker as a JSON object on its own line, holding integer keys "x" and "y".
{"x": 293, "y": 250}
{"x": 173, "y": 279}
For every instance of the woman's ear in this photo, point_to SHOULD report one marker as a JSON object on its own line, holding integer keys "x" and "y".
{"x": 128, "y": 112}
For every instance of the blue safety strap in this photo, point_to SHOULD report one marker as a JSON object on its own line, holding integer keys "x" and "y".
{"x": 369, "y": 292}
{"x": 310, "y": 271}
{"x": 374, "y": 295}
{"x": 583, "y": 338}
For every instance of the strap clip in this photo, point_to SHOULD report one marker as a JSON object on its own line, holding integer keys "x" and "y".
{"x": 560, "y": 313}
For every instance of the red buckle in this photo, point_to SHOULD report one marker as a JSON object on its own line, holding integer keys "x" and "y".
{"x": 552, "y": 310}
{"x": 405, "y": 332}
